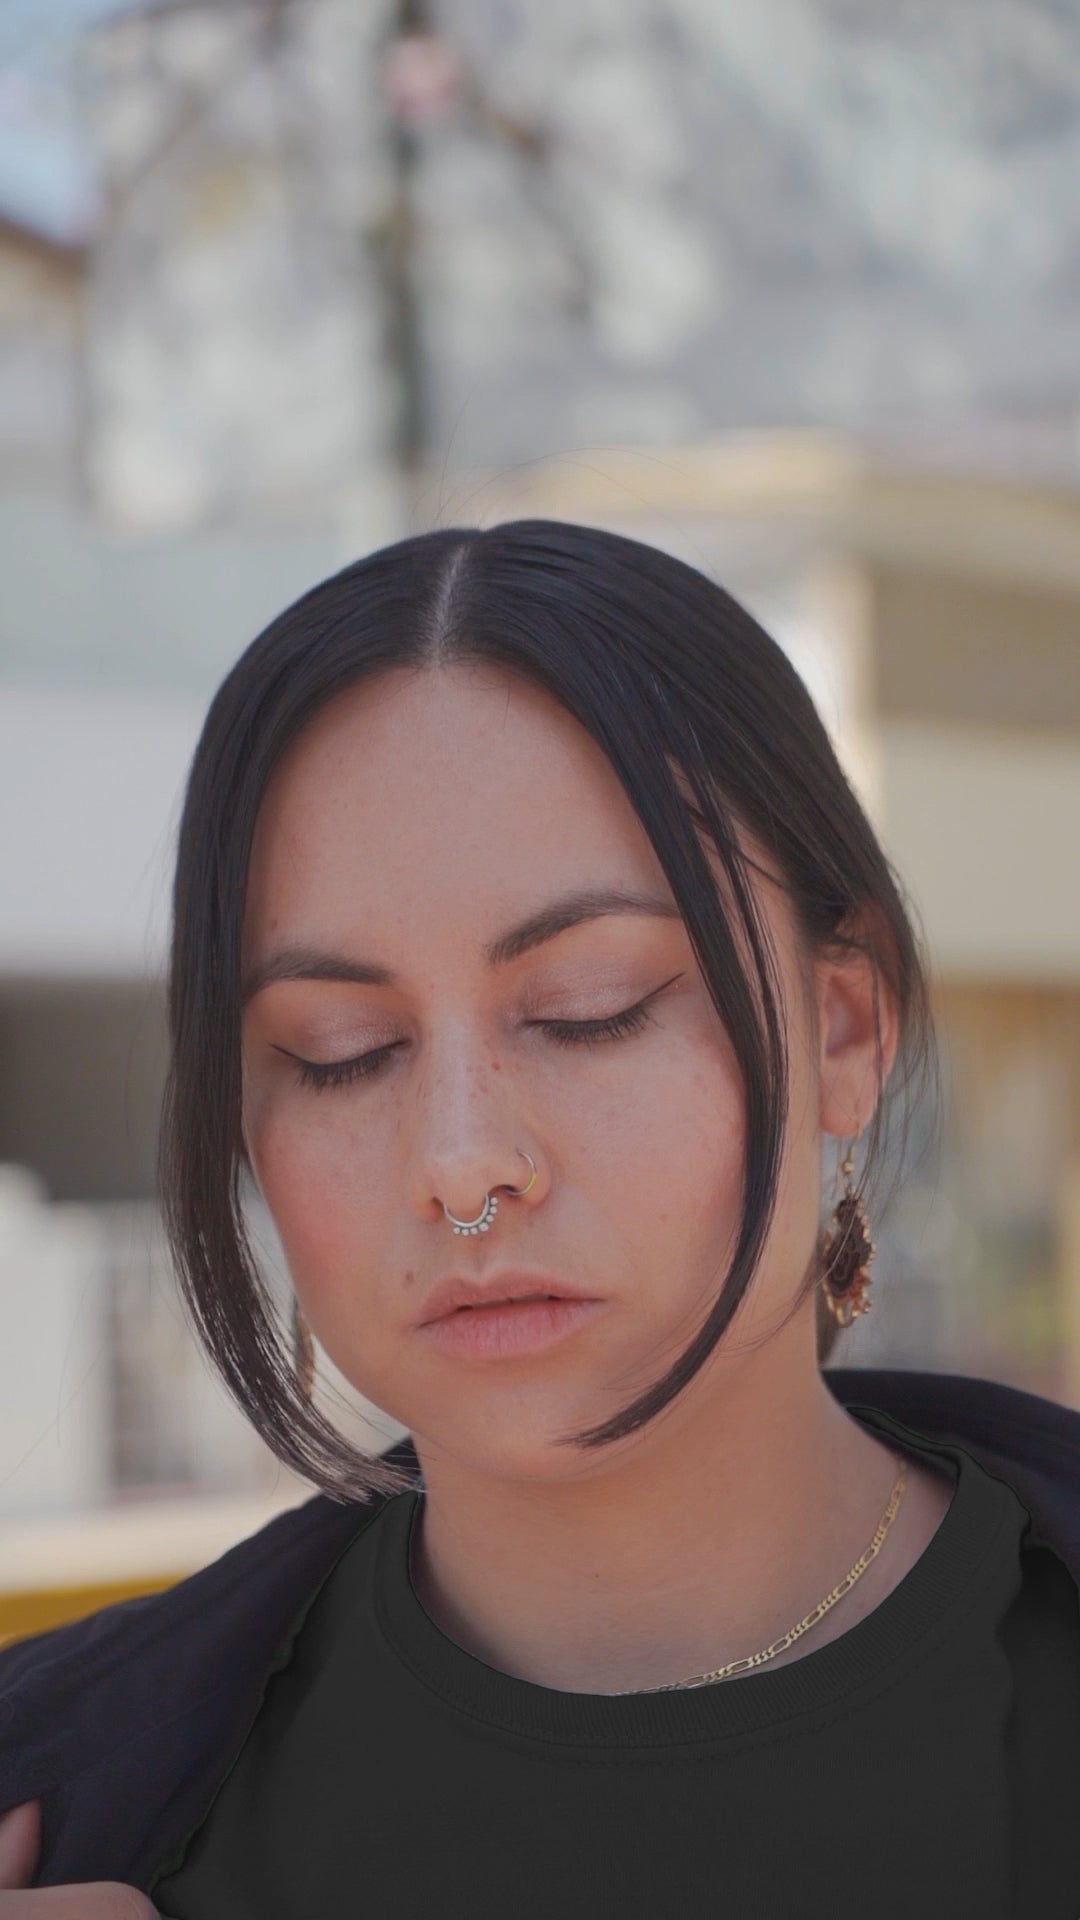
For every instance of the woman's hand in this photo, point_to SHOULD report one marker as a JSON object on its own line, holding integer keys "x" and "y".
{"x": 20, "y": 1843}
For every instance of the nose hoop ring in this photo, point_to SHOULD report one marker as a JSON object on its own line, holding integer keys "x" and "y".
{"x": 491, "y": 1205}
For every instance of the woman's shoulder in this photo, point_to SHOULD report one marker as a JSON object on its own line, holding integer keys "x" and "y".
{"x": 1025, "y": 1439}
{"x": 109, "y": 1712}
{"x": 151, "y": 1654}
{"x": 287, "y": 1551}
{"x": 989, "y": 1413}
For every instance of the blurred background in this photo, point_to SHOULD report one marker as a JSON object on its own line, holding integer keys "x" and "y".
{"x": 790, "y": 290}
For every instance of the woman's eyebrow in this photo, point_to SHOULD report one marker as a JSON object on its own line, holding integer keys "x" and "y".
{"x": 300, "y": 962}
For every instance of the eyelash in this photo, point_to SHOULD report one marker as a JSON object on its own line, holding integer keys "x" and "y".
{"x": 565, "y": 1033}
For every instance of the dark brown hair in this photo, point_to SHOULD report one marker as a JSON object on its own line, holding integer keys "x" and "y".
{"x": 665, "y": 669}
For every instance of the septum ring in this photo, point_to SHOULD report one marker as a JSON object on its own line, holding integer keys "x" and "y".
{"x": 491, "y": 1205}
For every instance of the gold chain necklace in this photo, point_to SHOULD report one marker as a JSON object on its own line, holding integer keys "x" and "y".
{"x": 811, "y": 1620}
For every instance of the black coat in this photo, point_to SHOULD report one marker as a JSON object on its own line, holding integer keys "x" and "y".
{"x": 123, "y": 1723}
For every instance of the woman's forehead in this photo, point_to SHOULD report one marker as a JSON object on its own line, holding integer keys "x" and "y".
{"x": 428, "y": 792}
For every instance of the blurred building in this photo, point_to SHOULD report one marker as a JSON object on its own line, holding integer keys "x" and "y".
{"x": 289, "y": 239}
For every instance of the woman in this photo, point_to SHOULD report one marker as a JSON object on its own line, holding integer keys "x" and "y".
{"x": 530, "y": 945}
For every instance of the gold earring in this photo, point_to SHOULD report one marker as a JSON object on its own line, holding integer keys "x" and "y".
{"x": 846, "y": 1256}
{"x": 303, "y": 1351}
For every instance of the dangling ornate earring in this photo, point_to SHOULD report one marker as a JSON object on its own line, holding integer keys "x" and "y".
{"x": 303, "y": 1351}
{"x": 846, "y": 1256}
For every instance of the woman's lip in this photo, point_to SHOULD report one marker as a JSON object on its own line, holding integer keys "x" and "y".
{"x": 510, "y": 1327}
{"x": 537, "y": 1290}
{"x": 526, "y": 1300}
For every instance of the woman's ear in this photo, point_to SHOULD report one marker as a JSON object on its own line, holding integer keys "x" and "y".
{"x": 855, "y": 1008}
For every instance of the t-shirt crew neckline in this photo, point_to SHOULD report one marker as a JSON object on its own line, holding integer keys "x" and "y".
{"x": 926, "y": 1605}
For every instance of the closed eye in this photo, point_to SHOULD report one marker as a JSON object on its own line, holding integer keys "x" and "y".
{"x": 565, "y": 1033}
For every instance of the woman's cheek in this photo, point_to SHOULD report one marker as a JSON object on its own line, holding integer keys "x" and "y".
{"x": 279, "y": 1145}
{"x": 303, "y": 1161}
{"x": 310, "y": 1178}
{"x": 310, "y": 1214}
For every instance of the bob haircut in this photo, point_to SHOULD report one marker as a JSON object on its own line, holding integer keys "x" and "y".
{"x": 669, "y": 674}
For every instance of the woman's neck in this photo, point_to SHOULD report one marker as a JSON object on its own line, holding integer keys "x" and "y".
{"x": 683, "y": 1558}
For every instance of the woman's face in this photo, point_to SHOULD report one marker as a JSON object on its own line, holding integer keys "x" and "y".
{"x": 415, "y": 820}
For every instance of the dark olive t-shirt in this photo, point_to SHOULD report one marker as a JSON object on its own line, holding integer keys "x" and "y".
{"x": 926, "y": 1762}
